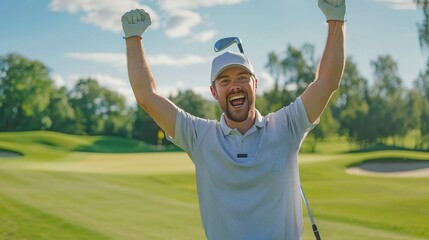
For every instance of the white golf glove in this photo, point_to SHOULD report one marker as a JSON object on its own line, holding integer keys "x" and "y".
{"x": 135, "y": 22}
{"x": 333, "y": 9}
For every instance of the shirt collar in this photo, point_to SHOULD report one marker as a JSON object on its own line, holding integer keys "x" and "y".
{"x": 259, "y": 123}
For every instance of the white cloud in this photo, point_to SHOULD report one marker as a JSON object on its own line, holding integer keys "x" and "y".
{"x": 173, "y": 89}
{"x": 119, "y": 60}
{"x": 58, "y": 80}
{"x": 165, "y": 60}
{"x": 204, "y": 36}
{"x": 180, "y": 16}
{"x": 103, "y": 79}
{"x": 265, "y": 82}
{"x": 105, "y": 14}
{"x": 183, "y": 17}
{"x": 169, "y": 5}
{"x": 118, "y": 85}
{"x": 398, "y": 4}
{"x": 181, "y": 22}
{"x": 204, "y": 91}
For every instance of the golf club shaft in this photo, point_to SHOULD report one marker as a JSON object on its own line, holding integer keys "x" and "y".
{"x": 313, "y": 223}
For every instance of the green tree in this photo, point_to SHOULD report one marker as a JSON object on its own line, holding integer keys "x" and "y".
{"x": 277, "y": 97}
{"x": 292, "y": 74}
{"x": 61, "y": 113}
{"x": 273, "y": 66}
{"x": 195, "y": 104}
{"x": 327, "y": 127}
{"x": 25, "y": 89}
{"x": 144, "y": 127}
{"x": 85, "y": 100}
{"x": 387, "y": 104}
{"x": 422, "y": 83}
{"x": 423, "y": 28}
{"x": 119, "y": 119}
{"x": 100, "y": 110}
{"x": 351, "y": 107}
{"x": 421, "y": 86}
{"x": 296, "y": 70}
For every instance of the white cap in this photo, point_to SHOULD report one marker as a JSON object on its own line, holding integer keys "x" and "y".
{"x": 228, "y": 60}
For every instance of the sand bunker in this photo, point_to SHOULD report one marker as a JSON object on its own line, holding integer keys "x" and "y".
{"x": 406, "y": 168}
{"x": 4, "y": 154}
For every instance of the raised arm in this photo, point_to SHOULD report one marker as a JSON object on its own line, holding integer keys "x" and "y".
{"x": 332, "y": 63}
{"x": 162, "y": 110}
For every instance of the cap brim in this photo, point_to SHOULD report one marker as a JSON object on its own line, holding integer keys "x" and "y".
{"x": 231, "y": 66}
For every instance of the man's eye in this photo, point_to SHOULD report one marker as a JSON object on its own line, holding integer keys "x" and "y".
{"x": 243, "y": 78}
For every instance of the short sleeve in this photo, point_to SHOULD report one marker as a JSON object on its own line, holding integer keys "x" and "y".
{"x": 295, "y": 120}
{"x": 188, "y": 132}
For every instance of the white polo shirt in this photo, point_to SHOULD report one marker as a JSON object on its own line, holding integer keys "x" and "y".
{"x": 248, "y": 185}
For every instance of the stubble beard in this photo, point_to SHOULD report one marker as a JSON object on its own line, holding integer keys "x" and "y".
{"x": 239, "y": 117}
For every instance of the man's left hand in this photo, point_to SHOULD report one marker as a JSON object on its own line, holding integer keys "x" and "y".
{"x": 333, "y": 9}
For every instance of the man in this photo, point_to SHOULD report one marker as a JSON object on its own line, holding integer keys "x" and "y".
{"x": 246, "y": 164}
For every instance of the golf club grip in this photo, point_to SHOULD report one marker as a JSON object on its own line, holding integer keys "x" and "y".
{"x": 316, "y": 231}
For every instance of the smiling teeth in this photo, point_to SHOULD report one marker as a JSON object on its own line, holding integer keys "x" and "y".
{"x": 236, "y": 97}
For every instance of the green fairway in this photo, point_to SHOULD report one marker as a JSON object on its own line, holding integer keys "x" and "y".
{"x": 74, "y": 187}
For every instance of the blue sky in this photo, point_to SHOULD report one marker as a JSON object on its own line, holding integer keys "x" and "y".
{"x": 83, "y": 38}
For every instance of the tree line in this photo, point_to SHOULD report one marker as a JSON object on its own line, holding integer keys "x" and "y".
{"x": 29, "y": 100}
{"x": 365, "y": 114}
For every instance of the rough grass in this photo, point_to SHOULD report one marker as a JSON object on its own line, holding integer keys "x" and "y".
{"x": 55, "y": 192}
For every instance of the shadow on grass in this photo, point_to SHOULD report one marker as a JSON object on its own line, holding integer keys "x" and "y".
{"x": 9, "y": 153}
{"x": 123, "y": 145}
{"x": 384, "y": 147}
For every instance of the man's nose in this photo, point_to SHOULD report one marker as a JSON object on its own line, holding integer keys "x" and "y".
{"x": 235, "y": 87}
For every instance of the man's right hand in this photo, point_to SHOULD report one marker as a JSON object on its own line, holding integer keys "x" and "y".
{"x": 333, "y": 9}
{"x": 135, "y": 22}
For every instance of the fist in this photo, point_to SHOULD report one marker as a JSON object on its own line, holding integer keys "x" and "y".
{"x": 335, "y": 3}
{"x": 333, "y": 9}
{"x": 135, "y": 22}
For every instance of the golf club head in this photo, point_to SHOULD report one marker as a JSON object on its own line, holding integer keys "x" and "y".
{"x": 223, "y": 43}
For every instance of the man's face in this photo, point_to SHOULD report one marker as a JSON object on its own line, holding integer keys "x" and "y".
{"x": 235, "y": 91}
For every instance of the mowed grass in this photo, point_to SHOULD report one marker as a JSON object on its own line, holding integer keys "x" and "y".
{"x": 56, "y": 191}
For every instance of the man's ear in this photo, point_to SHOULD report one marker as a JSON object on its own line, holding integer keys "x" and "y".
{"x": 213, "y": 91}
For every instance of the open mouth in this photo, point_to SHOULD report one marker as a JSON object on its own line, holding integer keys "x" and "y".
{"x": 237, "y": 100}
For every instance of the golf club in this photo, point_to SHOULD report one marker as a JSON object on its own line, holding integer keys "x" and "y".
{"x": 223, "y": 43}
{"x": 220, "y": 45}
{"x": 313, "y": 224}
